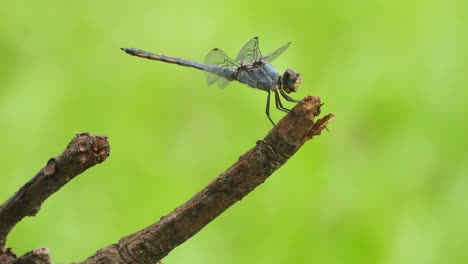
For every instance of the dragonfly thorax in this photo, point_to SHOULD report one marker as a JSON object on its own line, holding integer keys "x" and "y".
{"x": 262, "y": 76}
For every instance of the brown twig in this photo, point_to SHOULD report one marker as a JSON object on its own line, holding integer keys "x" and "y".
{"x": 83, "y": 152}
{"x": 36, "y": 256}
{"x": 253, "y": 168}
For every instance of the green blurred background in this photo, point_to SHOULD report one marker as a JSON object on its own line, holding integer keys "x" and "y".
{"x": 386, "y": 185}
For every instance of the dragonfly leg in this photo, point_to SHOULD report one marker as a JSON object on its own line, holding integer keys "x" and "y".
{"x": 268, "y": 108}
{"x": 288, "y": 98}
{"x": 278, "y": 103}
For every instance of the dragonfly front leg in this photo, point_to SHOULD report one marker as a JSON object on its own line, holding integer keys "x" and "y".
{"x": 278, "y": 103}
{"x": 268, "y": 108}
{"x": 288, "y": 98}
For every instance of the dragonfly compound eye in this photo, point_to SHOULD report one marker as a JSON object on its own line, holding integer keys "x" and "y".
{"x": 292, "y": 80}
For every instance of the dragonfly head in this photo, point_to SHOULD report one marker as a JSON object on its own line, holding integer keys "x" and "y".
{"x": 291, "y": 81}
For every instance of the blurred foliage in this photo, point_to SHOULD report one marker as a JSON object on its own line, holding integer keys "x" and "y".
{"x": 386, "y": 185}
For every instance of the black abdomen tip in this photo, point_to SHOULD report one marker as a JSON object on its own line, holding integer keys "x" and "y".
{"x": 129, "y": 51}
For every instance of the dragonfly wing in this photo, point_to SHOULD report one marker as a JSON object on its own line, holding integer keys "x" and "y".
{"x": 212, "y": 78}
{"x": 275, "y": 54}
{"x": 216, "y": 58}
{"x": 222, "y": 82}
{"x": 249, "y": 53}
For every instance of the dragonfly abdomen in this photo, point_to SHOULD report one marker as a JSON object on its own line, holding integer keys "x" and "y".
{"x": 163, "y": 58}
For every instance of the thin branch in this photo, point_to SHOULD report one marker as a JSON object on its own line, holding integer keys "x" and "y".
{"x": 83, "y": 152}
{"x": 253, "y": 168}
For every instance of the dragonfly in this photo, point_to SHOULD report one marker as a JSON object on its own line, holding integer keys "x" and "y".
{"x": 249, "y": 67}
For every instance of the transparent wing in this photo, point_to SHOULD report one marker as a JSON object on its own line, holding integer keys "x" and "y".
{"x": 216, "y": 58}
{"x": 275, "y": 54}
{"x": 249, "y": 53}
{"x": 222, "y": 82}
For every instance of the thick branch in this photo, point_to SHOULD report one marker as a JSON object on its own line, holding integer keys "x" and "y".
{"x": 83, "y": 152}
{"x": 253, "y": 168}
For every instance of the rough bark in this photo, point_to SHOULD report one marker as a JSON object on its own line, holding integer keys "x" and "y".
{"x": 155, "y": 241}
{"x": 36, "y": 256}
